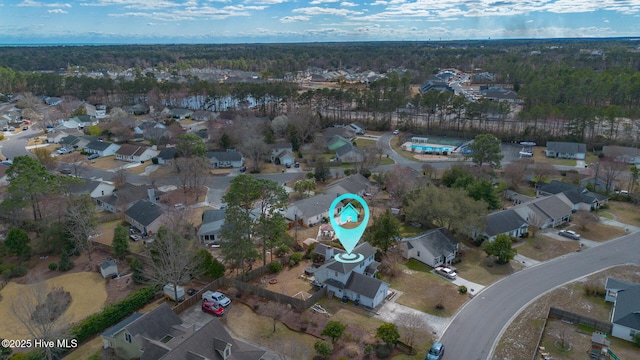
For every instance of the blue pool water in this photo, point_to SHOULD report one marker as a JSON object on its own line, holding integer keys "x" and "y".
{"x": 431, "y": 148}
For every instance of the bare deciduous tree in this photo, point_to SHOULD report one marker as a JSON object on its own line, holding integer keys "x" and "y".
{"x": 610, "y": 169}
{"x": 584, "y": 219}
{"x": 191, "y": 173}
{"x": 41, "y": 312}
{"x": 81, "y": 222}
{"x": 413, "y": 327}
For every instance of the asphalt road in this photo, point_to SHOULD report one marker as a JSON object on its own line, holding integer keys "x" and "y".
{"x": 16, "y": 143}
{"x": 477, "y": 327}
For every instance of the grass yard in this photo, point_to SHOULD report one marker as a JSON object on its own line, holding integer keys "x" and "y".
{"x": 106, "y": 163}
{"x": 625, "y": 212}
{"x": 88, "y": 294}
{"x": 601, "y": 232}
{"x": 140, "y": 168}
{"x": 424, "y": 291}
{"x": 475, "y": 266}
{"x": 539, "y": 156}
{"x": 544, "y": 248}
{"x": 365, "y": 143}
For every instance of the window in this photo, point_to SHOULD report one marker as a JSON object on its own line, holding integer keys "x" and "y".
{"x": 632, "y": 333}
{"x": 127, "y": 337}
{"x": 418, "y": 253}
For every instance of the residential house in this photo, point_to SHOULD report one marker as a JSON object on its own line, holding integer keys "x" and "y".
{"x": 108, "y": 269}
{"x": 435, "y": 84}
{"x": 545, "y": 212}
{"x": 435, "y": 247}
{"x": 212, "y": 222}
{"x": 625, "y": 316}
{"x": 581, "y": 198}
{"x": 181, "y": 114}
{"x": 566, "y": 150}
{"x": 225, "y": 159}
{"x": 137, "y": 109}
{"x": 128, "y": 194}
{"x": 499, "y": 94}
{"x": 281, "y": 149}
{"x": 516, "y": 197}
{"x": 101, "y": 111}
{"x": 95, "y": 189}
{"x": 358, "y": 127}
{"x": 354, "y": 281}
{"x": 349, "y": 154}
{"x": 101, "y": 148}
{"x": 507, "y": 222}
{"x": 145, "y": 215}
{"x": 286, "y": 157}
{"x": 52, "y": 100}
{"x": 629, "y": 155}
{"x": 204, "y": 115}
{"x": 82, "y": 121}
{"x": 134, "y": 153}
{"x": 75, "y": 143}
{"x": 56, "y": 137}
{"x": 352, "y": 184}
{"x": 336, "y": 141}
{"x": 342, "y": 131}
{"x": 166, "y": 156}
{"x": 312, "y": 210}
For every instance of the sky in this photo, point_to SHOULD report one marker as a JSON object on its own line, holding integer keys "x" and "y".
{"x": 25, "y": 22}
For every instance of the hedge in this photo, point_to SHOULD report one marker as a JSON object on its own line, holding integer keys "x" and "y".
{"x": 112, "y": 314}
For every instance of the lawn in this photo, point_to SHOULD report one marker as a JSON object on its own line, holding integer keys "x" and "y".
{"x": 601, "y": 232}
{"x": 425, "y": 291}
{"x": 475, "y": 266}
{"x": 140, "y": 168}
{"x": 624, "y": 212}
{"x": 539, "y": 156}
{"x": 542, "y": 248}
{"x": 365, "y": 143}
{"x": 106, "y": 163}
{"x": 88, "y": 294}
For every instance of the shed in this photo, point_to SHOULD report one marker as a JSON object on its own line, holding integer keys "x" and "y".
{"x": 108, "y": 269}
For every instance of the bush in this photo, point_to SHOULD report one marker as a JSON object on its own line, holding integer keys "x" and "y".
{"x": 275, "y": 266}
{"x": 462, "y": 289}
{"x": 592, "y": 289}
{"x": 65, "y": 264}
{"x": 18, "y": 271}
{"x": 53, "y": 266}
{"x": 112, "y": 314}
{"x": 295, "y": 258}
{"x": 383, "y": 351}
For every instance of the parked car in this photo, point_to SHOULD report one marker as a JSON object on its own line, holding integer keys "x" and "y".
{"x": 570, "y": 234}
{"x": 436, "y": 352}
{"x": 63, "y": 151}
{"x": 65, "y": 171}
{"x": 287, "y": 165}
{"x": 212, "y": 308}
{"x": 622, "y": 192}
{"x": 243, "y": 169}
{"x": 135, "y": 237}
{"x": 216, "y": 297}
{"x": 297, "y": 164}
{"x": 396, "y": 132}
{"x": 25, "y": 128}
{"x": 446, "y": 272}
{"x": 93, "y": 156}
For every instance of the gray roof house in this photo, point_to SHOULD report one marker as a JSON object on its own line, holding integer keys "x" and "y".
{"x": 312, "y": 210}
{"x": 101, "y": 148}
{"x": 56, "y": 137}
{"x": 225, "y": 159}
{"x": 166, "y": 156}
{"x": 358, "y": 127}
{"x": 545, "y": 212}
{"x": 356, "y": 281}
{"x": 348, "y": 153}
{"x": 212, "y": 222}
{"x": 629, "y": 155}
{"x": 95, "y": 189}
{"x": 435, "y": 247}
{"x": 278, "y": 148}
{"x": 145, "y": 216}
{"x": 181, "y": 114}
{"x": 212, "y": 341}
{"x": 625, "y": 315}
{"x": 352, "y": 184}
{"x": 566, "y": 150}
{"x": 581, "y": 198}
{"x": 128, "y": 194}
{"x": 73, "y": 142}
{"x": 507, "y": 222}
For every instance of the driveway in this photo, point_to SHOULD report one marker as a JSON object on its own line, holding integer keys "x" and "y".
{"x": 392, "y": 311}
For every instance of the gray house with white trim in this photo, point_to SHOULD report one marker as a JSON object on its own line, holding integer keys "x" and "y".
{"x": 625, "y": 315}
{"x": 566, "y": 150}
{"x": 435, "y": 247}
{"x": 225, "y": 159}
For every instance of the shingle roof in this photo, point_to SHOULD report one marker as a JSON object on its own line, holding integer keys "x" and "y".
{"x": 129, "y": 193}
{"x": 110, "y": 332}
{"x": 502, "y": 222}
{"x": 167, "y": 154}
{"x": 225, "y": 155}
{"x": 627, "y": 308}
{"x": 567, "y": 147}
{"x": 365, "y": 249}
{"x": 98, "y": 145}
{"x": 156, "y": 323}
{"x": 577, "y": 194}
{"x": 107, "y": 264}
{"x": 364, "y": 285}
{"x": 209, "y": 341}
{"x": 438, "y": 241}
{"x": 312, "y": 206}
{"x": 130, "y": 150}
{"x": 144, "y": 211}
{"x": 346, "y": 148}
{"x": 351, "y": 184}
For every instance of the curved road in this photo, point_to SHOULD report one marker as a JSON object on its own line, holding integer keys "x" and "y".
{"x": 477, "y": 327}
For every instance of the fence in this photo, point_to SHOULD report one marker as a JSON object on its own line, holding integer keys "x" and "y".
{"x": 603, "y": 326}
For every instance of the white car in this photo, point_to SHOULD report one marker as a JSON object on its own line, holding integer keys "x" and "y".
{"x": 396, "y": 132}
{"x": 216, "y": 297}
{"x": 62, "y": 151}
{"x": 446, "y": 272}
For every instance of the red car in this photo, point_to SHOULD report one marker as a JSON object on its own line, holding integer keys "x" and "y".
{"x": 212, "y": 308}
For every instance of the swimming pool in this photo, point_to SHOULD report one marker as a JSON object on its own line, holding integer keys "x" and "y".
{"x": 432, "y": 149}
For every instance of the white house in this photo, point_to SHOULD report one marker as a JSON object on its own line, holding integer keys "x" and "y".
{"x": 435, "y": 247}
{"x": 225, "y": 159}
{"x": 312, "y": 210}
{"x": 101, "y": 148}
{"x": 625, "y": 316}
{"x": 566, "y": 150}
{"x": 134, "y": 153}
{"x": 108, "y": 269}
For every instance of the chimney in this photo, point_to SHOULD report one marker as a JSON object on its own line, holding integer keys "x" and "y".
{"x": 328, "y": 253}
{"x": 151, "y": 195}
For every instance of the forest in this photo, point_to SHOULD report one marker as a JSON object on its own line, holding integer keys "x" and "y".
{"x": 585, "y": 90}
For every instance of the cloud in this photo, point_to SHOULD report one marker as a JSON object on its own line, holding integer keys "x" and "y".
{"x": 57, "y": 11}
{"x": 291, "y": 19}
{"x": 316, "y": 2}
{"x": 31, "y": 3}
{"x": 348, "y": 4}
{"x": 325, "y": 11}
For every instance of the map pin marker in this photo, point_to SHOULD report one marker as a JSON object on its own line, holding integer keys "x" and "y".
{"x": 349, "y": 238}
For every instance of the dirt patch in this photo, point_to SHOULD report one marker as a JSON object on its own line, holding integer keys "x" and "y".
{"x": 188, "y": 198}
{"x": 521, "y": 336}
